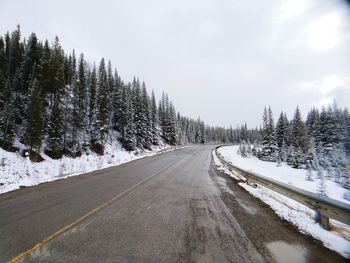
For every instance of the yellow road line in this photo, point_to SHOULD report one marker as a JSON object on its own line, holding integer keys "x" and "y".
{"x": 80, "y": 219}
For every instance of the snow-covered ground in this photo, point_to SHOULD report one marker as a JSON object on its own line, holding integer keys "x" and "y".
{"x": 16, "y": 171}
{"x": 283, "y": 173}
{"x": 338, "y": 239}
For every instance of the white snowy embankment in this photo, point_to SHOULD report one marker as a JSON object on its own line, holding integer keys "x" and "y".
{"x": 338, "y": 239}
{"x": 16, "y": 171}
{"x": 283, "y": 173}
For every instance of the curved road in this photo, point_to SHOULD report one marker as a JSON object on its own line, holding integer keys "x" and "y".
{"x": 172, "y": 207}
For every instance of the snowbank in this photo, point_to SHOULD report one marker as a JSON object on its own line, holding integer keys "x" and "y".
{"x": 284, "y": 173}
{"x": 338, "y": 239}
{"x": 16, "y": 171}
{"x": 303, "y": 218}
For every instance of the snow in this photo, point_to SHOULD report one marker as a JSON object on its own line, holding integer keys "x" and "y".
{"x": 303, "y": 217}
{"x": 284, "y": 173}
{"x": 337, "y": 239}
{"x": 224, "y": 169}
{"x": 17, "y": 171}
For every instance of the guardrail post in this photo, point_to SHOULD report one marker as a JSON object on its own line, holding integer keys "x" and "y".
{"x": 251, "y": 183}
{"x": 322, "y": 220}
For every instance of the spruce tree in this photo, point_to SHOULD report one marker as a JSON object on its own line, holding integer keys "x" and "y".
{"x": 161, "y": 115}
{"x": 171, "y": 125}
{"x": 299, "y": 139}
{"x": 139, "y": 115}
{"x": 34, "y": 129}
{"x": 346, "y": 140}
{"x": 93, "y": 131}
{"x": 31, "y": 57}
{"x": 154, "y": 120}
{"x": 2, "y": 72}
{"x": 79, "y": 120}
{"x": 7, "y": 128}
{"x": 312, "y": 121}
{"x": 55, "y": 129}
{"x": 14, "y": 54}
{"x": 147, "y": 132}
{"x": 111, "y": 97}
{"x": 281, "y": 136}
{"x": 269, "y": 149}
{"x": 16, "y": 51}
{"x": 129, "y": 140}
{"x": 46, "y": 75}
{"x": 119, "y": 113}
{"x": 102, "y": 102}
{"x": 280, "y": 131}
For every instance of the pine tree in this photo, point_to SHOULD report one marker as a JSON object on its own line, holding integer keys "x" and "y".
{"x": 72, "y": 68}
{"x": 46, "y": 75}
{"x": 129, "y": 140}
{"x": 79, "y": 120}
{"x": 125, "y": 90}
{"x": 14, "y": 54}
{"x": 57, "y": 64}
{"x": 119, "y": 104}
{"x": 28, "y": 66}
{"x": 111, "y": 95}
{"x": 7, "y": 128}
{"x": 34, "y": 129}
{"x": 281, "y": 136}
{"x": 16, "y": 50}
{"x": 269, "y": 150}
{"x": 102, "y": 102}
{"x": 231, "y": 135}
{"x": 330, "y": 136}
{"x": 147, "y": 133}
{"x": 140, "y": 115}
{"x": 171, "y": 125}
{"x": 154, "y": 120}
{"x": 299, "y": 140}
{"x": 202, "y": 129}
{"x": 55, "y": 129}
{"x": 162, "y": 114}
{"x": 31, "y": 57}
{"x": 93, "y": 106}
{"x": 2, "y": 72}
{"x": 312, "y": 122}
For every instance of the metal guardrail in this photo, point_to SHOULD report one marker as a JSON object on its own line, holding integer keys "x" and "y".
{"x": 325, "y": 207}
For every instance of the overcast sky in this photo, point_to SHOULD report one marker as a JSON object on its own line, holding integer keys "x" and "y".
{"x": 221, "y": 59}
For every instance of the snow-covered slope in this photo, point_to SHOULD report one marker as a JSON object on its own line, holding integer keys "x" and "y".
{"x": 283, "y": 173}
{"x": 16, "y": 171}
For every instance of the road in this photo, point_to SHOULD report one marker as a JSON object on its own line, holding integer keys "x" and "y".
{"x": 172, "y": 207}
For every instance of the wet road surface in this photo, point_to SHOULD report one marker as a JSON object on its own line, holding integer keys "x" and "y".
{"x": 172, "y": 207}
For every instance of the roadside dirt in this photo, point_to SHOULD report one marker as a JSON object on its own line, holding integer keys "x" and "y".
{"x": 263, "y": 227}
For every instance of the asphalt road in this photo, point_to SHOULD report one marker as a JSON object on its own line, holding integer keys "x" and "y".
{"x": 172, "y": 207}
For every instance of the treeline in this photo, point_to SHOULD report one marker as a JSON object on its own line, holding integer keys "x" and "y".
{"x": 56, "y": 102}
{"x": 321, "y": 143}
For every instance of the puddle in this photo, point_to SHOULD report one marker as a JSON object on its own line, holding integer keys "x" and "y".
{"x": 286, "y": 253}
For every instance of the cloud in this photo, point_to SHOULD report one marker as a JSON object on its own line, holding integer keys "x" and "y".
{"x": 326, "y": 90}
{"x": 324, "y": 33}
{"x": 221, "y": 59}
{"x": 291, "y": 8}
